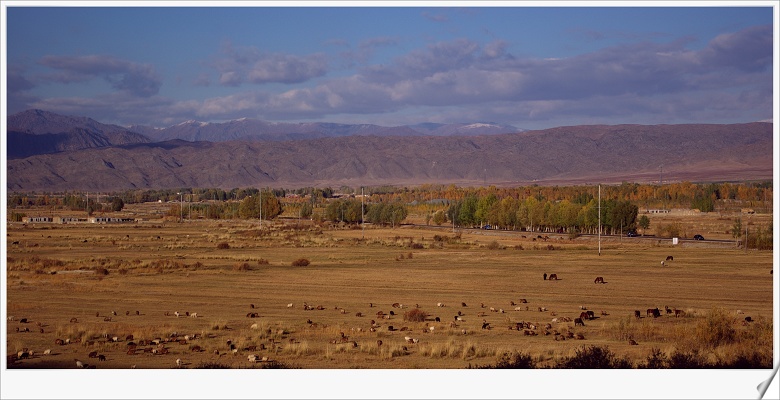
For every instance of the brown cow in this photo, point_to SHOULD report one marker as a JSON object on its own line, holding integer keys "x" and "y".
{"x": 679, "y": 313}
{"x": 632, "y": 342}
{"x": 655, "y": 312}
{"x": 637, "y": 313}
{"x": 578, "y": 321}
{"x": 669, "y": 258}
{"x": 552, "y": 277}
{"x": 583, "y": 316}
{"x": 599, "y": 279}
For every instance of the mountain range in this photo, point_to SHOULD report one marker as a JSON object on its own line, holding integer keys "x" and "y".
{"x": 77, "y": 153}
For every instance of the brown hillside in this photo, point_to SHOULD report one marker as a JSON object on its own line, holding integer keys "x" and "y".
{"x": 562, "y": 155}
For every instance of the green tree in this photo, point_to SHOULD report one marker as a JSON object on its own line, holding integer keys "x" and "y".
{"x": 306, "y": 210}
{"x": 644, "y": 223}
{"x": 271, "y": 205}
{"x": 439, "y": 217}
{"x": 117, "y": 204}
{"x": 249, "y": 207}
{"x": 736, "y": 229}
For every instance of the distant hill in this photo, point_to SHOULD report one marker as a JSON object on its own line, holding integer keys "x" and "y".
{"x": 40, "y": 132}
{"x": 565, "y": 155}
{"x": 253, "y": 129}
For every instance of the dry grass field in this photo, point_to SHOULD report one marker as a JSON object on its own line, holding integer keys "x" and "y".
{"x": 94, "y": 285}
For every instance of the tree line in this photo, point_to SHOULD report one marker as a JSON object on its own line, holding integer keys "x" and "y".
{"x": 533, "y": 214}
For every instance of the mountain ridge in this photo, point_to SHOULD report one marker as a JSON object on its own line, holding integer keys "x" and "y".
{"x": 577, "y": 154}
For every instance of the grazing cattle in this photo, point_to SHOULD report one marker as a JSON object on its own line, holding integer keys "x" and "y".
{"x": 396, "y": 305}
{"x": 137, "y": 312}
{"x": 654, "y": 312}
{"x": 93, "y": 354}
{"x": 599, "y": 279}
{"x": 579, "y": 336}
{"x": 748, "y": 319}
{"x": 553, "y": 277}
{"x": 583, "y": 315}
{"x": 101, "y": 357}
{"x": 485, "y": 325}
{"x": 668, "y": 310}
{"x": 637, "y": 313}
{"x": 439, "y": 304}
{"x": 591, "y": 315}
{"x": 523, "y": 301}
{"x": 604, "y": 312}
{"x": 79, "y": 364}
{"x": 669, "y": 258}
{"x": 578, "y": 321}
{"x": 74, "y": 320}
{"x": 545, "y": 276}
{"x": 23, "y": 321}
{"x": 47, "y": 352}
{"x": 194, "y": 315}
{"x": 632, "y": 342}
{"x": 463, "y": 304}
{"x": 437, "y": 319}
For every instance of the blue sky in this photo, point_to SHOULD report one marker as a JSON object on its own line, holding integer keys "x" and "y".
{"x": 531, "y": 67}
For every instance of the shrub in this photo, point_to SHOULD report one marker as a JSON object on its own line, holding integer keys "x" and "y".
{"x": 415, "y": 315}
{"x": 241, "y": 267}
{"x": 515, "y": 360}
{"x": 301, "y": 262}
{"x": 594, "y": 357}
{"x": 211, "y": 365}
{"x": 656, "y": 360}
{"x": 223, "y": 245}
{"x": 494, "y": 245}
{"x": 717, "y": 328}
{"x": 687, "y": 360}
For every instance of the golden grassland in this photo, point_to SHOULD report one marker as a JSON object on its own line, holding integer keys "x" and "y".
{"x": 148, "y": 270}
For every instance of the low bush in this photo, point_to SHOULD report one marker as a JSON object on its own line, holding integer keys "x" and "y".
{"x": 512, "y": 360}
{"x": 241, "y": 267}
{"x": 594, "y": 357}
{"x": 415, "y": 315}
{"x": 301, "y": 262}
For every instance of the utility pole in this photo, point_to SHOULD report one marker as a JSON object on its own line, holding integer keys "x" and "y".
{"x": 261, "y": 207}
{"x": 599, "y": 219}
{"x": 362, "y": 212}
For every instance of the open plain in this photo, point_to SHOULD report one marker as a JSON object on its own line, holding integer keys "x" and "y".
{"x": 113, "y": 291}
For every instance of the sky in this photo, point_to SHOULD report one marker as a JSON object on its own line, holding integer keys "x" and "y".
{"x": 407, "y": 63}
